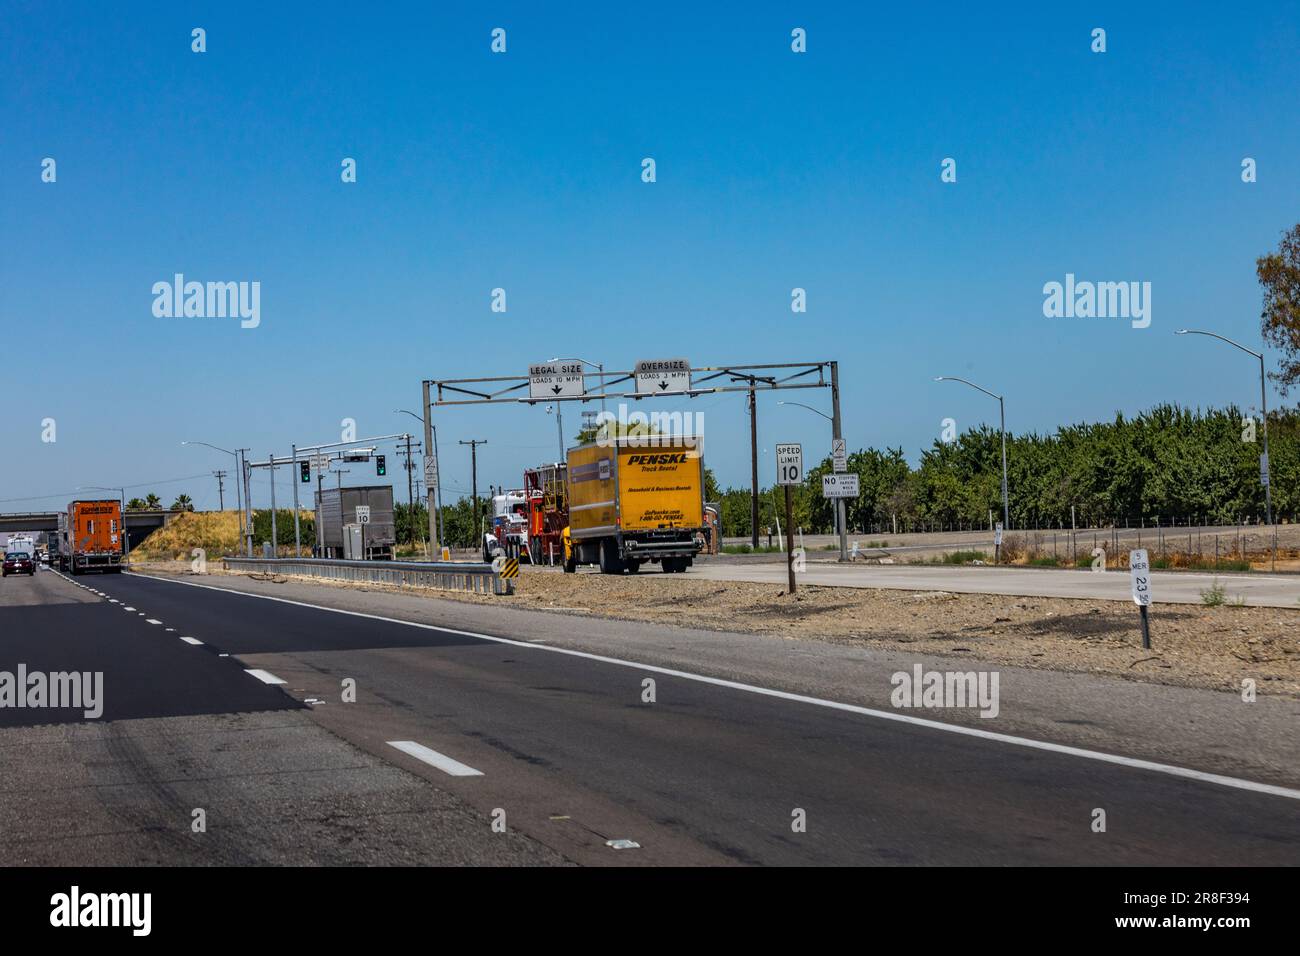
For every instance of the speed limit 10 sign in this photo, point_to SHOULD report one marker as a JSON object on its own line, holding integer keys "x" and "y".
{"x": 789, "y": 464}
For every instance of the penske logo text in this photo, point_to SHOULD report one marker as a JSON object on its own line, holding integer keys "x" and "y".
{"x": 677, "y": 459}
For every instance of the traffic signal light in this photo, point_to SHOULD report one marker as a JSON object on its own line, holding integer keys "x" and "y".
{"x": 304, "y": 470}
{"x": 381, "y": 467}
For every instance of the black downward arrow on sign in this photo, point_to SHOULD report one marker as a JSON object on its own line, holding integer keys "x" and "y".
{"x": 663, "y": 385}
{"x": 555, "y": 389}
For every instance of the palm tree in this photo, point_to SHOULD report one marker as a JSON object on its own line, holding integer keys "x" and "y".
{"x": 152, "y": 501}
{"x": 182, "y": 503}
{"x": 135, "y": 504}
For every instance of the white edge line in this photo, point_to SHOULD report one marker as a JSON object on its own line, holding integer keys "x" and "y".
{"x": 1131, "y": 762}
{"x": 444, "y": 763}
{"x": 266, "y": 677}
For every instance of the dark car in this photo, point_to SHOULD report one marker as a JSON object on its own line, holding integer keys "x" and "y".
{"x": 18, "y": 562}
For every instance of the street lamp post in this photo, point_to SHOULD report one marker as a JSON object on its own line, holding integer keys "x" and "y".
{"x": 430, "y": 441}
{"x": 559, "y": 426}
{"x": 239, "y": 501}
{"x": 1002, "y": 415}
{"x": 1263, "y": 404}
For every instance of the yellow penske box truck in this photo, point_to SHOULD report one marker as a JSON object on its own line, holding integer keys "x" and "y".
{"x": 635, "y": 501}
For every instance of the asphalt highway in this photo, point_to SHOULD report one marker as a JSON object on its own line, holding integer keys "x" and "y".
{"x": 573, "y": 751}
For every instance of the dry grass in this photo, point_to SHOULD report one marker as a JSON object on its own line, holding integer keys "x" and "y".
{"x": 217, "y": 532}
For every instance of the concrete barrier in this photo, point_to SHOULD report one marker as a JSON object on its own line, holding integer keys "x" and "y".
{"x": 443, "y": 575}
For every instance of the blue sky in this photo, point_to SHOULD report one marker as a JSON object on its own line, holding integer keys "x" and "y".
{"x": 477, "y": 170}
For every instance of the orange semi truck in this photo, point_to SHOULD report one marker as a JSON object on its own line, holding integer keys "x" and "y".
{"x": 635, "y": 501}
{"x": 91, "y": 537}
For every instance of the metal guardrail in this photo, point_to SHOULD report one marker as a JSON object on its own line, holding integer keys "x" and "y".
{"x": 443, "y": 575}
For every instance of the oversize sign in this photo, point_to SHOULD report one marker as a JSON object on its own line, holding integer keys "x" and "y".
{"x": 556, "y": 380}
{"x": 789, "y": 464}
{"x": 657, "y": 376}
{"x": 840, "y": 486}
{"x": 1139, "y": 569}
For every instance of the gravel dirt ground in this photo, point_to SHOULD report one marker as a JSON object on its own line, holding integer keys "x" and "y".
{"x": 1208, "y": 647}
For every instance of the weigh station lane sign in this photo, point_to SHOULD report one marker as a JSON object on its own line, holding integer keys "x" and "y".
{"x": 658, "y": 376}
{"x": 556, "y": 380}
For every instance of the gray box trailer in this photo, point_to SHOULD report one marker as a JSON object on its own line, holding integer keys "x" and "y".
{"x": 337, "y": 507}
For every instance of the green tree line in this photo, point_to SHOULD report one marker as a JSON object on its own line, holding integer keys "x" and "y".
{"x": 1170, "y": 464}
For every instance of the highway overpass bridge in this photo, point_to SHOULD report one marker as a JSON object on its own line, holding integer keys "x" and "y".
{"x": 139, "y": 524}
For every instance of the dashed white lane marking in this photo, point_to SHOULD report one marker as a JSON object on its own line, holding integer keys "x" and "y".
{"x": 152, "y": 620}
{"x": 1130, "y": 762}
{"x": 190, "y": 640}
{"x": 444, "y": 763}
{"x": 114, "y": 601}
{"x": 266, "y": 677}
{"x": 125, "y": 608}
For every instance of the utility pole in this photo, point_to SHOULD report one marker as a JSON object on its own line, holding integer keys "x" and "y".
{"x": 275, "y": 537}
{"x": 440, "y": 511}
{"x": 753, "y": 465}
{"x": 320, "y": 525}
{"x": 248, "y": 505}
{"x": 429, "y": 442}
{"x": 473, "y": 481}
{"x": 410, "y": 490}
{"x": 841, "y": 506}
{"x": 221, "y": 489}
{"x": 294, "y": 479}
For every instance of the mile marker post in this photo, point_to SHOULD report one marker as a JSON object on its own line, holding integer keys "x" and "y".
{"x": 997, "y": 543}
{"x": 1139, "y": 569}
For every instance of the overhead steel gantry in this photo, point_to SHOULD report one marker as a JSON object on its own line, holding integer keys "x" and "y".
{"x": 729, "y": 378}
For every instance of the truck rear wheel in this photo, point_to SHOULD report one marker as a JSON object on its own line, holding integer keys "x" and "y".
{"x": 610, "y": 562}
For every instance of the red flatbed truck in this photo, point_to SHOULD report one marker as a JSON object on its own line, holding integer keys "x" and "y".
{"x": 546, "y": 488}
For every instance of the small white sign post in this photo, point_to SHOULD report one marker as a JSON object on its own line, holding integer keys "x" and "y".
{"x": 840, "y": 486}
{"x": 839, "y": 455}
{"x": 789, "y": 471}
{"x": 789, "y": 464}
{"x": 1139, "y": 569}
{"x": 997, "y": 543}
{"x": 363, "y": 519}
